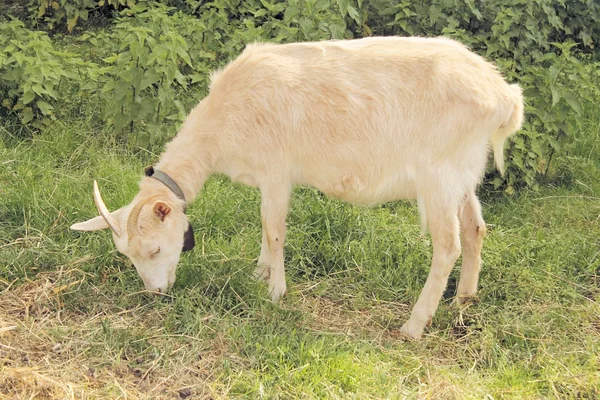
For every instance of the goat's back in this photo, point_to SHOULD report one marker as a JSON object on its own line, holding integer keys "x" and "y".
{"x": 364, "y": 120}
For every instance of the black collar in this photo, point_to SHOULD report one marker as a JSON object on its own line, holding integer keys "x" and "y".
{"x": 165, "y": 180}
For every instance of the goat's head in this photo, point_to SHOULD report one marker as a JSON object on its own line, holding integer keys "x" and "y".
{"x": 152, "y": 231}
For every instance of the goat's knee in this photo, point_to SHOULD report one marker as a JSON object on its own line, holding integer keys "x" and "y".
{"x": 446, "y": 251}
{"x": 275, "y": 237}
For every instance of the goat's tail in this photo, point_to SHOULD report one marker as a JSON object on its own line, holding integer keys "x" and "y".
{"x": 508, "y": 128}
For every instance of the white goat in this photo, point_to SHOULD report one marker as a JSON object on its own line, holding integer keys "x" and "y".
{"x": 366, "y": 121}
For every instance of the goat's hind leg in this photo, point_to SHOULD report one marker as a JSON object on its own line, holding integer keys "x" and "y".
{"x": 444, "y": 228}
{"x": 472, "y": 227}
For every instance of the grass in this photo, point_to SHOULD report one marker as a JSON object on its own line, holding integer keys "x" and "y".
{"x": 76, "y": 323}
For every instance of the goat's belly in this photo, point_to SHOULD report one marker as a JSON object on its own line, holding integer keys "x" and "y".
{"x": 368, "y": 191}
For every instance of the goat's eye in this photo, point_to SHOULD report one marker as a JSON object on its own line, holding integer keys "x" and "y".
{"x": 155, "y": 253}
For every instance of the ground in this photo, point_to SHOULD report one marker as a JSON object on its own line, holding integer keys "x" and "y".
{"x": 76, "y": 323}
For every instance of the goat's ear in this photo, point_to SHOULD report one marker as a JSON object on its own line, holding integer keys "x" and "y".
{"x": 161, "y": 209}
{"x": 95, "y": 224}
{"x": 188, "y": 239}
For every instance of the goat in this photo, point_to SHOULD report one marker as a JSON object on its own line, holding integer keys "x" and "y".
{"x": 365, "y": 121}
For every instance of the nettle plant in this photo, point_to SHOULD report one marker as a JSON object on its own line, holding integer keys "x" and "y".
{"x": 555, "y": 86}
{"x": 232, "y": 24}
{"x": 31, "y": 72}
{"x": 148, "y": 71}
{"x": 539, "y": 44}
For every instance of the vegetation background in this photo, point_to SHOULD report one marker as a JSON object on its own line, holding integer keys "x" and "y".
{"x": 92, "y": 89}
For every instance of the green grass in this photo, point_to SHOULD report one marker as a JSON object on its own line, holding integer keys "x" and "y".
{"x": 74, "y": 320}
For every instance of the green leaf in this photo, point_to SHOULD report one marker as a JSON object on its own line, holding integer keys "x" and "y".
{"x": 556, "y": 95}
{"x": 197, "y": 78}
{"x": 150, "y": 77}
{"x": 343, "y": 5}
{"x": 337, "y": 30}
{"x": 291, "y": 12}
{"x": 28, "y": 97}
{"x": 71, "y": 23}
{"x": 518, "y": 161}
{"x": 180, "y": 78}
{"x": 434, "y": 13}
{"x": 111, "y": 59}
{"x": 497, "y": 182}
{"x": 39, "y": 89}
{"x": 573, "y": 102}
{"x": 586, "y": 38}
{"x": 354, "y": 14}
{"x": 110, "y": 85}
{"x": 27, "y": 115}
{"x": 260, "y": 13}
{"x": 44, "y": 107}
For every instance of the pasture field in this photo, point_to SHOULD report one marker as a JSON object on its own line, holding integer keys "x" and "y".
{"x": 90, "y": 89}
{"x": 75, "y": 322}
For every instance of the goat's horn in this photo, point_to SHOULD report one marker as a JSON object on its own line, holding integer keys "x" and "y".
{"x": 103, "y": 210}
{"x": 132, "y": 221}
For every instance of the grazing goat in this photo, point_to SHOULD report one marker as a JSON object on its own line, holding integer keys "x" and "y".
{"x": 366, "y": 121}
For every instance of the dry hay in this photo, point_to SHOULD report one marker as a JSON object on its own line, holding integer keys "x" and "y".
{"x": 376, "y": 321}
{"x": 49, "y": 351}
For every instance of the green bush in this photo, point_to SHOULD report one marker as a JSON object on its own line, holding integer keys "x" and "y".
{"x": 32, "y": 72}
{"x": 555, "y": 87}
{"x": 232, "y": 24}
{"x": 151, "y": 63}
{"x": 149, "y": 66}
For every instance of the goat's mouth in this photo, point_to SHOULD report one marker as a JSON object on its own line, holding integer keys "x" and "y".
{"x": 157, "y": 291}
{"x": 160, "y": 290}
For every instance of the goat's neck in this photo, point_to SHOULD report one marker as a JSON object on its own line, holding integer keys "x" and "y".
{"x": 188, "y": 161}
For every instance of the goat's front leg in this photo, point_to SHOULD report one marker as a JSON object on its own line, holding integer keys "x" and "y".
{"x": 273, "y": 209}
{"x": 444, "y": 228}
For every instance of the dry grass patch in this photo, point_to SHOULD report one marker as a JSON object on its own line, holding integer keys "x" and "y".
{"x": 50, "y": 351}
{"x": 377, "y": 321}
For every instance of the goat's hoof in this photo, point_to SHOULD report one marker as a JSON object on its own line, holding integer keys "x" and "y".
{"x": 412, "y": 330}
{"x": 278, "y": 291}
{"x": 262, "y": 273}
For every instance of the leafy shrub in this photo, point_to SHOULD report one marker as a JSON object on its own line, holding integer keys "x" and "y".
{"x": 232, "y": 24}
{"x": 31, "y": 72}
{"x": 555, "y": 87}
{"x": 146, "y": 68}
